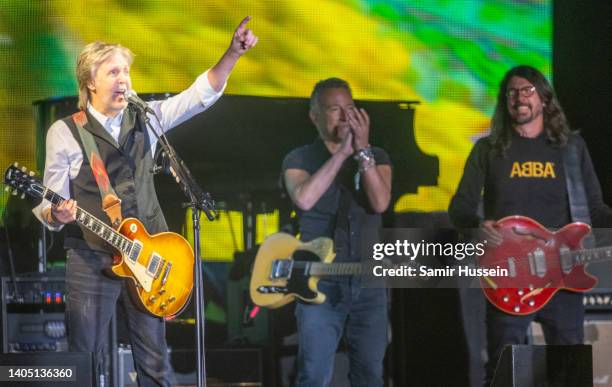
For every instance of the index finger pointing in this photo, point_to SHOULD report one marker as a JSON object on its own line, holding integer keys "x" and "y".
{"x": 243, "y": 23}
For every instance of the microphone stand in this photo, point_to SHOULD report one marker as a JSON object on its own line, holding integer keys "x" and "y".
{"x": 198, "y": 201}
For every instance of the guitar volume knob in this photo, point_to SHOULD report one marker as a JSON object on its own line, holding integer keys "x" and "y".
{"x": 520, "y": 292}
{"x": 517, "y": 309}
{"x": 531, "y": 302}
{"x": 505, "y": 298}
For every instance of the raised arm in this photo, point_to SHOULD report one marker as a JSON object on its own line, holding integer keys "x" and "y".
{"x": 242, "y": 41}
{"x": 304, "y": 189}
{"x": 376, "y": 178}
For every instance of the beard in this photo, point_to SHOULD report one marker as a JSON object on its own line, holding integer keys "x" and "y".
{"x": 522, "y": 117}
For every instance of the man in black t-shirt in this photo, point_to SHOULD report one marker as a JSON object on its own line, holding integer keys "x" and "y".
{"x": 522, "y": 169}
{"x": 340, "y": 185}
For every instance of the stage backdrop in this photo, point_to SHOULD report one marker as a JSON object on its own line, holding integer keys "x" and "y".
{"x": 450, "y": 55}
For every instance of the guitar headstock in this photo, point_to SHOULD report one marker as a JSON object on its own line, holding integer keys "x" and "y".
{"x": 20, "y": 180}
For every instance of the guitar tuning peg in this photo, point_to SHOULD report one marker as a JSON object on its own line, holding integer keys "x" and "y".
{"x": 32, "y": 173}
{"x": 16, "y": 164}
{"x": 24, "y": 169}
{"x": 14, "y": 193}
{"x": 22, "y": 195}
{"x": 7, "y": 189}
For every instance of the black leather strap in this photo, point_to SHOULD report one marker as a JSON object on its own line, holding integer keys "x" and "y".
{"x": 578, "y": 202}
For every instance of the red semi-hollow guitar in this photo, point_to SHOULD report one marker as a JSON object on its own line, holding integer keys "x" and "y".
{"x": 539, "y": 263}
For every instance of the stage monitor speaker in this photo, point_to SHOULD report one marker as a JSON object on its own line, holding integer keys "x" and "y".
{"x": 38, "y": 369}
{"x": 544, "y": 365}
{"x": 598, "y": 333}
{"x": 224, "y": 367}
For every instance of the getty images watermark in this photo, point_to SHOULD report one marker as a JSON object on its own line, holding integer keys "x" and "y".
{"x": 405, "y": 249}
{"x": 522, "y": 259}
{"x": 425, "y": 258}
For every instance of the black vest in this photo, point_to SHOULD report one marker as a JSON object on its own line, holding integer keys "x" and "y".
{"x": 128, "y": 165}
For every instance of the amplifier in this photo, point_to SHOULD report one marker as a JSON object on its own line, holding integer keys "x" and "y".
{"x": 33, "y": 314}
{"x": 225, "y": 367}
{"x": 544, "y": 365}
{"x": 598, "y": 300}
{"x": 598, "y": 333}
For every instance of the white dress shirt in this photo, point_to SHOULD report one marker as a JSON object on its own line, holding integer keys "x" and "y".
{"x": 64, "y": 156}
{"x": 112, "y": 125}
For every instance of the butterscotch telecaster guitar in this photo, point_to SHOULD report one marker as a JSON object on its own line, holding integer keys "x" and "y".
{"x": 286, "y": 268}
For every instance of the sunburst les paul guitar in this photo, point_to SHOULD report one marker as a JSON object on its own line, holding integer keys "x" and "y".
{"x": 539, "y": 263}
{"x": 158, "y": 268}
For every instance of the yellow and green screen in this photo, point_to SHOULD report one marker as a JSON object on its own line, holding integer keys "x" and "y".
{"x": 449, "y": 55}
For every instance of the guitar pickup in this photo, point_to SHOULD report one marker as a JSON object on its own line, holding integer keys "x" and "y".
{"x": 154, "y": 264}
{"x": 537, "y": 263}
{"x": 281, "y": 268}
{"x": 135, "y": 251}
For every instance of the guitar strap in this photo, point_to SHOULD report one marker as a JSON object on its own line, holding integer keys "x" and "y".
{"x": 579, "y": 207}
{"x": 341, "y": 223}
{"x": 111, "y": 204}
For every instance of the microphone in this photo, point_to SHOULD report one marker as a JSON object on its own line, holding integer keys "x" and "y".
{"x": 134, "y": 100}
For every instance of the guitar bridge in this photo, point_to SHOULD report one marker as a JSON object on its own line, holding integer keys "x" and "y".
{"x": 281, "y": 269}
{"x": 166, "y": 273}
{"x": 160, "y": 268}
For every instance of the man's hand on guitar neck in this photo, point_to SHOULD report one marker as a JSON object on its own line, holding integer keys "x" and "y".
{"x": 489, "y": 233}
{"x": 64, "y": 213}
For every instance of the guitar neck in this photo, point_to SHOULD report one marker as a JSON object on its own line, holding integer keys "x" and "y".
{"x": 95, "y": 225}
{"x": 598, "y": 254}
{"x": 324, "y": 269}
{"x": 343, "y": 268}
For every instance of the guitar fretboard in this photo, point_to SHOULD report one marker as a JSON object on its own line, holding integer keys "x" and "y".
{"x": 317, "y": 268}
{"x": 94, "y": 224}
{"x": 597, "y": 254}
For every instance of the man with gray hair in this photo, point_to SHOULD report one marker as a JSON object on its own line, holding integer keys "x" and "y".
{"x": 126, "y": 147}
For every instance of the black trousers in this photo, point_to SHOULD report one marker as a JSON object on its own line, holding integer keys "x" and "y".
{"x": 90, "y": 304}
{"x": 562, "y": 322}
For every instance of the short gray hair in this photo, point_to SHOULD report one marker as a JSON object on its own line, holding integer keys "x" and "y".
{"x": 92, "y": 56}
{"x": 329, "y": 83}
